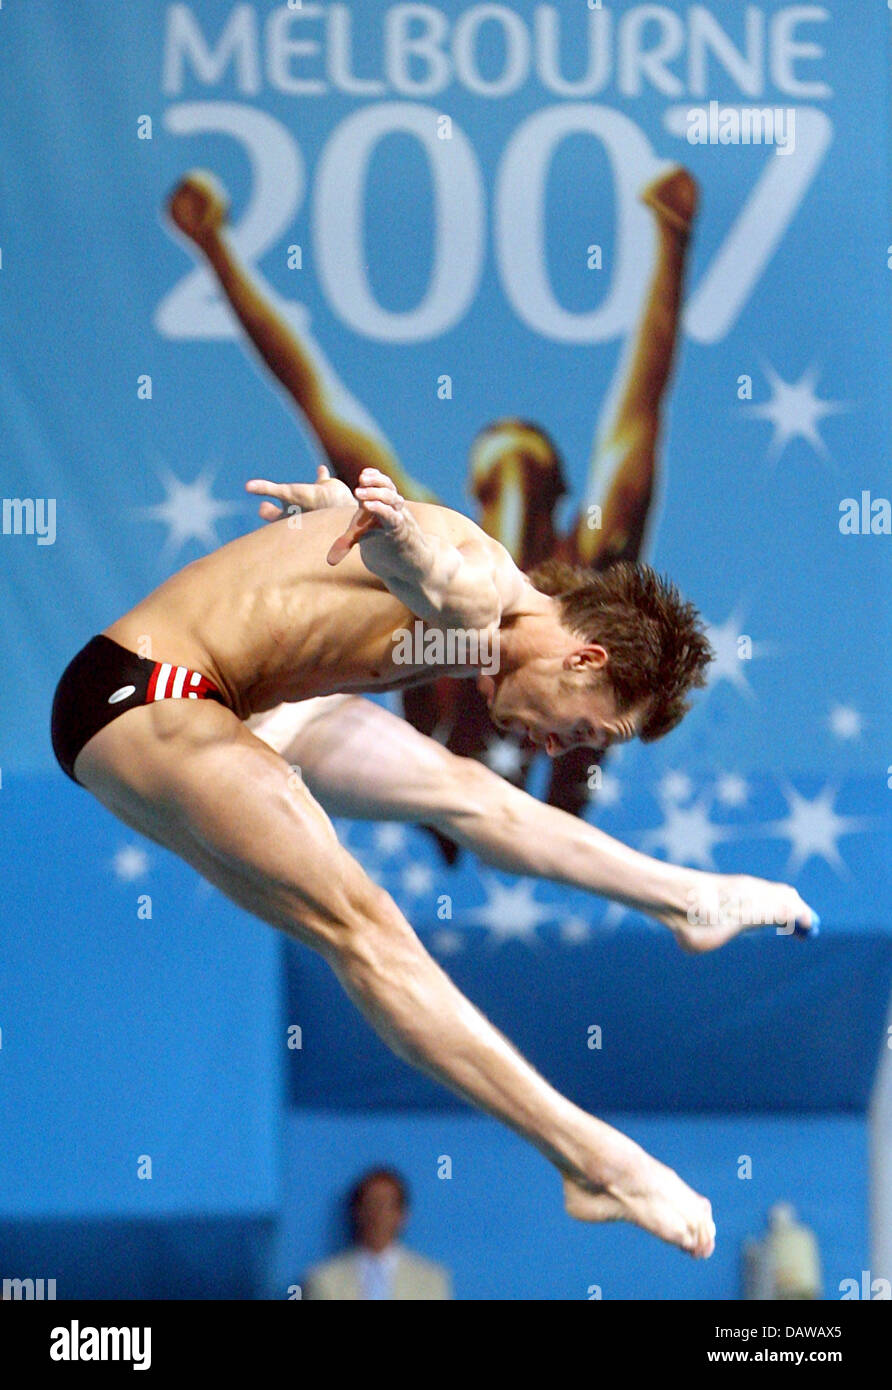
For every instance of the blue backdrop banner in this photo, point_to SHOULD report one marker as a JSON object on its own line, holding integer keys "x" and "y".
{"x": 539, "y": 257}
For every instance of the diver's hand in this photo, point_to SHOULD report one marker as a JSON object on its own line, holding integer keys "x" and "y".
{"x": 293, "y": 498}
{"x": 380, "y": 508}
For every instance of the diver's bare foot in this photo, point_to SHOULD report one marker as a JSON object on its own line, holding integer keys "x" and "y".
{"x": 198, "y": 205}
{"x": 673, "y": 195}
{"x": 650, "y": 1195}
{"x": 718, "y": 907}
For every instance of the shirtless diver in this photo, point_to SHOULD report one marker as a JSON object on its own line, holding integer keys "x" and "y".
{"x": 156, "y": 717}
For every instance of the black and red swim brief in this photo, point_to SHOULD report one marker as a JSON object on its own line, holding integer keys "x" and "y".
{"x": 103, "y": 681}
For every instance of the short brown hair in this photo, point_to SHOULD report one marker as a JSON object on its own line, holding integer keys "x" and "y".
{"x": 361, "y": 1186}
{"x": 655, "y": 641}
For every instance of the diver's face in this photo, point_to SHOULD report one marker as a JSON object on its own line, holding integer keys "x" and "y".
{"x": 558, "y": 709}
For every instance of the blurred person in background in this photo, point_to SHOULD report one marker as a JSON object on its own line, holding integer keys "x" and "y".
{"x": 785, "y": 1263}
{"x": 379, "y": 1267}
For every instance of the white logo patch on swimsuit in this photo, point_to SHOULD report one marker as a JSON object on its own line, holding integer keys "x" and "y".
{"x": 122, "y": 694}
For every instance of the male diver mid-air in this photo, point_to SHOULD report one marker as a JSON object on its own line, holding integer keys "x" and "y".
{"x": 154, "y": 717}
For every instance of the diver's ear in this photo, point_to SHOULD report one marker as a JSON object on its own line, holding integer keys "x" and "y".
{"x": 591, "y": 658}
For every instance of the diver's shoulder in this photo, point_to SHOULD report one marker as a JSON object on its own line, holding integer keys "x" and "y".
{"x": 445, "y": 521}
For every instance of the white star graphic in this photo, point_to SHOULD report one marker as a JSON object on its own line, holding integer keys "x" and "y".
{"x": 416, "y": 880}
{"x": 446, "y": 942}
{"x": 504, "y": 756}
{"x": 189, "y": 511}
{"x": 616, "y": 914}
{"x": 813, "y": 829}
{"x": 688, "y": 835}
{"x": 845, "y": 722}
{"x": 575, "y": 930}
{"x": 732, "y": 790}
{"x": 795, "y": 411}
{"x": 674, "y": 787}
{"x": 609, "y": 792}
{"x": 510, "y": 911}
{"x": 733, "y": 649}
{"x": 390, "y": 839}
{"x": 130, "y": 863}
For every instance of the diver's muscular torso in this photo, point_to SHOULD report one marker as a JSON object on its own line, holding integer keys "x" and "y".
{"x": 268, "y": 620}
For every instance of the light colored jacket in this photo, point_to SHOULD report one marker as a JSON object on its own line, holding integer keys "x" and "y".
{"x": 414, "y": 1278}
